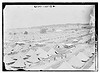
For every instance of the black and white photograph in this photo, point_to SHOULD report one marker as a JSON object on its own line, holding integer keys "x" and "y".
{"x": 50, "y": 36}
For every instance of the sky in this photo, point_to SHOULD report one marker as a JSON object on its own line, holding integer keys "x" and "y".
{"x": 23, "y": 16}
